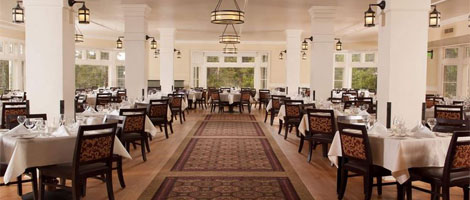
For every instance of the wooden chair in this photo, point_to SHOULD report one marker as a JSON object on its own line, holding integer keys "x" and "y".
{"x": 176, "y": 106}
{"x": 322, "y": 129}
{"x": 202, "y": 101}
{"x": 293, "y": 116}
{"x": 121, "y": 94}
{"x": 93, "y": 157}
{"x": 245, "y": 100}
{"x": 357, "y": 158}
{"x": 451, "y": 125}
{"x": 134, "y": 129}
{"x": 119, "y": 120}
{"x": 13, "y": 108}
{"x": 275, "y": 106}
{"x": 215, "y": 100}
{"x": 222, "y": 90}
{"x": 103, "y": 99}
{"x": 448, "y": 112}
{"x": 264, "y": 97}
{"x": 158, "y": 114}
{"x": 455, "y": 173}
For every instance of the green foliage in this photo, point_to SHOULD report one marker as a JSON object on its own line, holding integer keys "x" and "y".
{"x": 364, "y": 78}
{"x": 87, "y": 76}
{"x": 230, "y": 77}
{"x": 4, "y": 75}
{"x": 450, "y": 80}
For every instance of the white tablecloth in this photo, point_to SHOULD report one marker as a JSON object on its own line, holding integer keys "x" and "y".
{"x": 230, "y": 97}
{"x": 21, "y": 154}
{"x": 194, "y": 96}
{"x": 399, "y": 154}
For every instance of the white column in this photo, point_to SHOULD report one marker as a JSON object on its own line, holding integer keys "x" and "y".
{"x": 293, "y": 40}
{"x": 135, "y": 29}
{"x": 323, "y": 46}
{"x": 403, "y": 41}
{"x": 167, "y": 46}
{"x": 50, "y": 56}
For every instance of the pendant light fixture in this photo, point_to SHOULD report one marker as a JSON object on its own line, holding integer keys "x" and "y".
{"x": 339, "y": 45}
{"x": 434, "y": 18}
{"x": 369, "y": 15}
{"x": 305, "y": 43}
{"x": 304, "y": 55}
{"x": 78, "y": 35}
{"x": 281, "y": 55}
{"x": 83, "y": 12}
{"x": 119, "y": 42}
{"x": 18, "y": 13}
{"x": 229, "y": 38}
{"x": 230, "y": 50}
{"x": 153, "y": 43}
{"x": 219, "y": 16}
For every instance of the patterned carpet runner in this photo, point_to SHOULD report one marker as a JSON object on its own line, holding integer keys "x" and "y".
{"x": 227, "y": 156}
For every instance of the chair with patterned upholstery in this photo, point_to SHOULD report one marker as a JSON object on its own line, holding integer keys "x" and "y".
{"x": 293, "y": 116}
{"x": 448, "y": 112}
{"x": 202, "y": 101}
{"x": 455, "y": 173}
{"x": 322, "y": 129}
{"x": 13, "y": 108}
{"x": 133, "y": 129}
{"x": 451, "y": 125}
{"x": 92, "y": 157}
{"x": 103, "y": 99}
{"x": 245, "y": 99}
{"x": 215, "y": 100}
{"x": 121, "y": 95}
{"x": 119, "y": 120}
{"x": 275, "y": 106}
{"x": 158, "y": 114}
{"x": 357, "y": 158}
{"x": 263, "y": 98}
{"x": 176, "y": 106}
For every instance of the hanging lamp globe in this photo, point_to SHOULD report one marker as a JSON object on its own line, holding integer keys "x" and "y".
{"x": 219, "y": 16}
{"x": 18, "y": 13}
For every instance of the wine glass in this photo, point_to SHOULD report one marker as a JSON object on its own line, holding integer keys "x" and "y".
{"x": 61, "y": 119}
{"x": 99, "y": 108}
{"x": 29, "y": 123}
{"x": 432, "y": 122}
{"x": 21, "y": 119}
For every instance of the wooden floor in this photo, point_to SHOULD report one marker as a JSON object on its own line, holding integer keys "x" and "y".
{"x": 318, "y": 176}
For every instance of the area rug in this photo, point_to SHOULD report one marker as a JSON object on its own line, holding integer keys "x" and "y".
{"x": 218, "y": 161}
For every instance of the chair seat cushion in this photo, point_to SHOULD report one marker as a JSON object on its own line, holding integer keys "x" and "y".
{"x": 321, "y": 137}
{"x": 66, "y": 170}
{"x": 131, "y": 136}
{"x": 292, "y": 120}
{"x": 361, "y": 167}
{"x": 435, "y": 174}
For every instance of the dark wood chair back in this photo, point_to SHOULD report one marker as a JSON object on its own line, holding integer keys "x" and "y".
{"x": 13, "y": 108}
{"x": 245, "y": 96}
{"x": 215, "y": 96}
{"x": 276, "y": 101}
{"x": 321, "y": 121}
{"x": 264, "y": 95}
{"x": 176, "y": 100}
{"x": 355, "y": 143}
{"x": 158, "y": 109}
{"x": 221, "y": 90}
{"x": 448, "y": 112}
{"x": 135, "y": 120}
{"x": 103, "y": 99}
{"x": 458, "y": 155}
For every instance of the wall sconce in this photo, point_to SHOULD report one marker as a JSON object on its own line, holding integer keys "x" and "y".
{"x": 305, "y": 43}
{"x": 119, "y": 42}
{"x": 281, "y": 55}
{"x": 18, "y": 13}
{"x": 369, "y": 15}
{"x": 304, "y": 55}
{"x": 153, "y": 43}
{"x": 157, "y": 52}
{"x": 339, "y": 45}
{"x": 83, "y": 12}
{"x": 178, "y": 53}
{"x": 434, "y": 18}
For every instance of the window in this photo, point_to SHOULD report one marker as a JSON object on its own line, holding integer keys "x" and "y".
{"x": 339, "y": 77}
{"x": 364, "y": 78}
{"x": 10, "y": 48}
{"x": 104, "y": 55}
{"x": 452, "y": 53}
{"x": 230, "y": 77}
{"x": 4, "y": 75}
{"x": 370, "y": 57}
{"x": 196, "y": 77}
{"x": 121, "y": 56}
{"x": 264, "y": 77}
{"x": 248, "y": 59}
{"x": 90, "y": 55}
{"x": 88, "y": 76}
{"x": 121, "y": 76}
{"x": 21, "y": 49}
{"x": 450, "y": 80}
{"x": 212, "y": 59}
{"x": 230, "y": 59}
{"x": 78, "y": 54}
{"x": 339, "y": 57}
{"x": 1, "y": 47}
{"x": 468, "y": 52}
{"x": 265, "y": 58}
{"x": 356, "y": 57}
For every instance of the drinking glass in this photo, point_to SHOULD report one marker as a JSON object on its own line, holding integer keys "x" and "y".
{"x": 432, "y": 122}
{"x": 99, "y": 108}
{"x": 61, "y": 119}
{"x": 21, "y": 119}
{"x": 29, "y": 123}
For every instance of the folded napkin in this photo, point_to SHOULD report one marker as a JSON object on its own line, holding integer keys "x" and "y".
{"x": 422, "y": 131}
{"x": 19, "y": 131}
{"x": 379, "y": 129}
{"x": 114, "y": 112}
{"x": 90, "y": 110}
{"x": 61, "y": 132}
{"x": 363, "y": 113}
{"x": 338, "y": 113}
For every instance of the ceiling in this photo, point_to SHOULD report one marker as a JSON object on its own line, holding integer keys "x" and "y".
{"x": 266, "y": 20}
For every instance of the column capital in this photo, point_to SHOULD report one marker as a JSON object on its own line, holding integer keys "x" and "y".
{"x": 322, "y": 12}
{"x": 294, "y": 33}
{"x": 136, "y": 10}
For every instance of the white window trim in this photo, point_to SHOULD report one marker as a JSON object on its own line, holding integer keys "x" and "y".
{"x": 463, "y": 73}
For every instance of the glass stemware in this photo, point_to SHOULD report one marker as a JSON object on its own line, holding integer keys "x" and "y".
{"x": 21, "y": 119}
{"x": 29, "y": 123}
{"x": 432, "y": 122}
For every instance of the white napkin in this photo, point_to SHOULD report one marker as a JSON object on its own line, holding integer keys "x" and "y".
{"x": 339, "y": 113}
{"x": 61, "y": 132}
{"x": 379, "y": 129}
{"x": 18, "y": 131}
{"x": 115, "y": 112}
{"x": 364, "y": 113}
{"x": 422, "y": 131}
{"x": 89, "y": 111}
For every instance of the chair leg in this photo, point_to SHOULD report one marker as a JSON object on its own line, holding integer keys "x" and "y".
{"x": 166, "y": 131}
{"x": 280, "y": 126}
{"x": 147, "y": 142}
{"x": 325, "y": 149}
{"x": 159, "y": 126}
{"x": 119, "y": 172}
{"x": 266, "y": 117}
{"x": 109, "y": 185}
{"x": 142, "y": 148}
{"x": 249, "y": 108}
{"x": 42, "y": 187}
{"x": 181, "y": 118}
{"x": 76, "y": 189}
{"x": 310, "y": 150}
{"x": 184, "y": 116}
{"x": 286, "y": 128}
{"x": 171, "y": 127}
{"x": 301, "y": 145}
{"x": 466, "y": 192}
{"x": 445, "y": 193}
{"x": 34, "y": 179}
{"x": 272, "y": 118}
{"x": 19, "y": 185}
{"x": 83, "y": 188}
{"x": 434, "y": 192}
{"x": 343, "y": 183}
{"x": 408, "y": 187}
{"x": 379, "y": 184}
{"x": 368, "y": 182}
